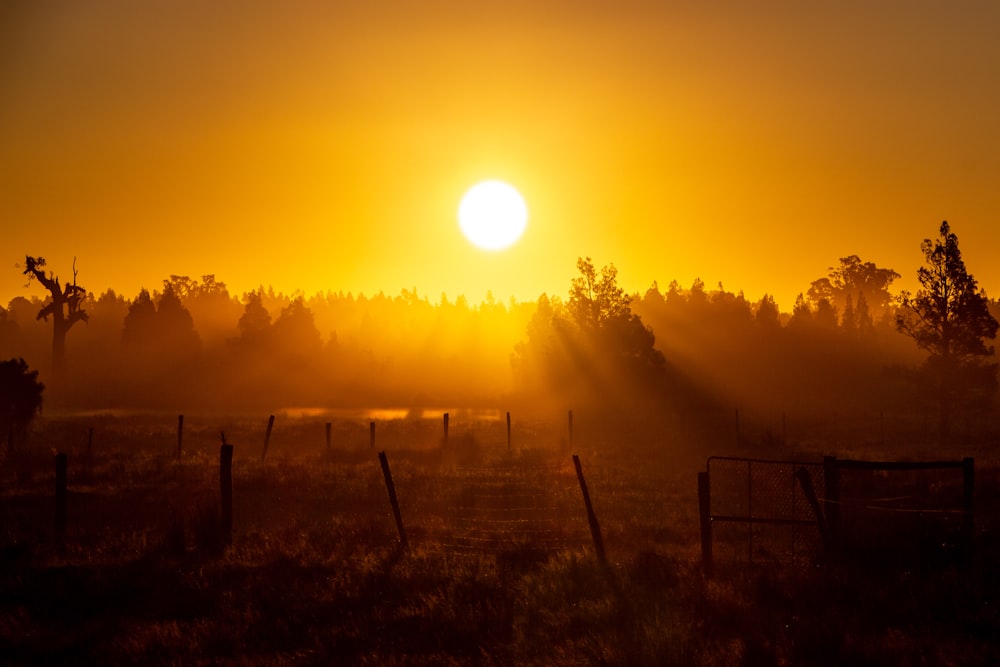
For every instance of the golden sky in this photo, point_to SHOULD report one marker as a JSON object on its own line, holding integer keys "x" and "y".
{"x": 326, "y": 145}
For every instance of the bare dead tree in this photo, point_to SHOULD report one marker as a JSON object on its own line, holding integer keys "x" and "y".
{"x": 65, "y": 307}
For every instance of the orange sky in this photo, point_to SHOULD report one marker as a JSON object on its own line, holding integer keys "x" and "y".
{"x": 315, "y": 146}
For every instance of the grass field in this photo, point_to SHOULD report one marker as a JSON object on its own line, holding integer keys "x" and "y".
{"x": 500, "y": 567}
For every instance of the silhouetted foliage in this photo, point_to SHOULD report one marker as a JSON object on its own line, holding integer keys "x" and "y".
{"x": 140, "y": 322}
{"x": 174, "y": 324}
{"x": 255, "y": 322}
{"x": 854, "y": 282}
{"x": 767, "y": 313}
{"x": 295, "y": 331}
{"x": 8, "y": 333}
{"x": 949, "y": 318}
{"x": 212, "y": 308}
{"x": 64, "y": 307}
{"x": 741, "y": 353}
{"x": 20, "y": 398}
{"x": 594, "y": 348}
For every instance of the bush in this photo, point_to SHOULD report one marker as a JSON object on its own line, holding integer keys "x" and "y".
{"x": 20, "y": 397}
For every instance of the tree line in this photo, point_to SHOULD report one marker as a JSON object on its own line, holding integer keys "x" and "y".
{"x": 849, "y": 342}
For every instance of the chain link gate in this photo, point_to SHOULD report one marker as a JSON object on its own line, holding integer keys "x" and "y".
{"x": 761, "y": 510}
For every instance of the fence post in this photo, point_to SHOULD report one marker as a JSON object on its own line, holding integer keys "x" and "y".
{"x": 60, "y": 518}
{"x": 371, "y": 435}
{"x": 705, "y": 514}
{"x": 831, "y": 499}
{"x": 267, "y": 438}
{"x": 595, "y": 528}
{"x": 226, "y": 489}
{"x": 445, "y": 421}
{"x": 391, "y": 488}
{"x": 805, "y": 481}
{"x": 329, "y": 426}
{"x": 508, "y": 431}
{"x": 968, "y": 495}
{"x": 180, "y": 435}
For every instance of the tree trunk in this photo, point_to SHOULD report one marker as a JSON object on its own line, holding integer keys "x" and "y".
{"x": 59, "y": 331}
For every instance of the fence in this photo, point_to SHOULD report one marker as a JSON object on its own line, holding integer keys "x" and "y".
{"x": 893, "y": 509}
{"x": 793, "y": 510}
{"x": 508, "y": 509}
{"x": 521, "y": 509}
{"x": 763, "y": 509}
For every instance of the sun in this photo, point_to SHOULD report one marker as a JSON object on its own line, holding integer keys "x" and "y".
{"x": 492, "y": 215}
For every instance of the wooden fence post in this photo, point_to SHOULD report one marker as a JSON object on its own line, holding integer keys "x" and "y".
{"x": 60, "y": 517}
{"x": 391, "y": 488}
{"x": 371, "y": 435}
{"x": 267, "y": 437}
{"x": 805, "y": 481}
{"x": 226, "y": 489}
{"x": 180, "y": 435}
{"x": 831, "y": 499}
{"x": 444, "y": 420}
{"x": 508, "y": 432}
{"x": 705, "y": 516}
{"x": 595, "y": 528}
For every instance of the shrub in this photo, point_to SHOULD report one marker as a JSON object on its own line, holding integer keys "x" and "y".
{"x": 20, "y": 397}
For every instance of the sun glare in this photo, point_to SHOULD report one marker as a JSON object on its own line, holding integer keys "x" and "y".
{"x": 492, "y": 215}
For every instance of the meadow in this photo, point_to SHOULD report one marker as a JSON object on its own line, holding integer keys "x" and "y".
{"x": 499, "y": 567}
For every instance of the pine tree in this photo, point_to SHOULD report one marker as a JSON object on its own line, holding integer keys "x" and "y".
{"x": 950, "y": 319}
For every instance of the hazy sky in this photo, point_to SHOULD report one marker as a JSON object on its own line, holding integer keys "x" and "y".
{"x": 322, "y": 145}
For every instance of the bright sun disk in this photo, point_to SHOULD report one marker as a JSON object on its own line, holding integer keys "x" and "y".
{"x": 492, "y": 215}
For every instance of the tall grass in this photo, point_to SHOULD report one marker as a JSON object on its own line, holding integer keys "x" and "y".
{"x": 315, "y": 575}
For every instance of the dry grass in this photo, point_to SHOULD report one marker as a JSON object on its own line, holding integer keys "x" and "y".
{"x": 315, "y": 576}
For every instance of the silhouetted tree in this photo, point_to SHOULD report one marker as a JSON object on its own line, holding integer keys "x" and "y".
{"x": 855, "y": 279}
{"x": 212, "y": 309}
{"x": 802, "y": 315}
{"x": 255, "y": 322}
{"x": 595, "y": 347}
{"x": 8, "y": 333}
{"x": 295, "y": 331}
{"x": 767, "y": 313}
{"x": 541, "y": 360}
{"x": 595, "y": 301}
{"x": 602, "y": 310}
{"x": 64, "y": 307}
{"x": 162, "y": 333}
{"x": 826, "y": 314}
{"x": 20, "y": 398}
{"x": 949, "y": 318}
{"x": 140, "y": 321}
{"x": 175, "y": 325}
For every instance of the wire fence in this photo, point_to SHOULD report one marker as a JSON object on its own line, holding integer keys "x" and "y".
{"x": 491, "y": 510}
{"x": 794, "y": 511}
{"x": 759, "y": 510}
